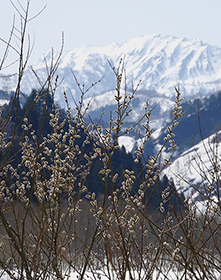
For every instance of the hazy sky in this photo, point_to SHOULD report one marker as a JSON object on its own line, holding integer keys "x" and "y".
{"x": 103, "y": 22}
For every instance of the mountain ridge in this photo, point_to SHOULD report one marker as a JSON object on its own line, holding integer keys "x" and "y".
{"x": 160, "y": 61}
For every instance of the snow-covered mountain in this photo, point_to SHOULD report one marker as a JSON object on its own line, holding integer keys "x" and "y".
{"x": 161, "y": 62}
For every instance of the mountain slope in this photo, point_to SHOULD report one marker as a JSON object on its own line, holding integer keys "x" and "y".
{"x": 193, "y": 172}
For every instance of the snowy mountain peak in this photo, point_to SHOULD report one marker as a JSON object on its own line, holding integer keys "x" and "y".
{"x": 160, "y": 61}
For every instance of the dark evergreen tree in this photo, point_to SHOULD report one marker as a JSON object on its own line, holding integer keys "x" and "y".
{"x": 37, "y": 108}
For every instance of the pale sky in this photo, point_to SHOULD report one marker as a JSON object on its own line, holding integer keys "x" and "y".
{"x": 103, "y": 22}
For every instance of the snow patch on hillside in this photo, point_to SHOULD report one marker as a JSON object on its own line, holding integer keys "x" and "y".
{"x": 3, "y": 102}
{"x": 128, "y": 142}
{"x": 192, "y": 169}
